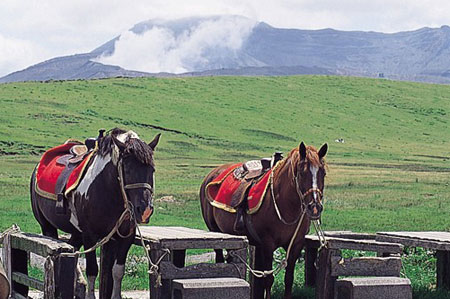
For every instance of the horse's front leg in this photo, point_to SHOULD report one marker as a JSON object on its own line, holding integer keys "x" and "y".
{"x": 118, "y": 269}
{"x": 290, "y": 268}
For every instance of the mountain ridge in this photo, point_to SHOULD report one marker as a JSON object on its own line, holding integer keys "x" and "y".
{"x": 417, "y": 55}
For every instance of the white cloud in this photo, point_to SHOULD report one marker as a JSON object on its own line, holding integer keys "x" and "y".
{"x": 17, "y": 54}
{"x": 162, "y": 50}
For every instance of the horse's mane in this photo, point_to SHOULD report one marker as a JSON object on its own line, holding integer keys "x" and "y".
{"x": 133, "y": 146}
{"x": 312, "y": 156}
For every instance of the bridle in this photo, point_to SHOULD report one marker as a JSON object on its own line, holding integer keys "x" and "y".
{"x": 128, "y": 205}
{"x": 300, "y": 194}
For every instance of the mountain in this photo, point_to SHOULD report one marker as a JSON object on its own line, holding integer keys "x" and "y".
{"x": 234, "y": 45}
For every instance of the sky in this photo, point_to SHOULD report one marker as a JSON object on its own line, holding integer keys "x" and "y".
{"x": 32, "y": 31}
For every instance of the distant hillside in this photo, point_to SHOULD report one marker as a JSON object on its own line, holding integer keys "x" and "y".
{"x": 420, "y": 55}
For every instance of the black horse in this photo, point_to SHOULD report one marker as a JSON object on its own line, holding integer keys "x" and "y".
{"x": 117, "y": 183}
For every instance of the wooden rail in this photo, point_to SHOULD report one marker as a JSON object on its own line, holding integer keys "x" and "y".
{"x": 59, "y": 276}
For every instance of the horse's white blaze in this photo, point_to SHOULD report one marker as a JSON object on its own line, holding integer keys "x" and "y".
{"x": 90, "y": 294}
{"x": 117, "y": 273}
{"x": 314, "y": 170}
{"x": 92, "y": 172}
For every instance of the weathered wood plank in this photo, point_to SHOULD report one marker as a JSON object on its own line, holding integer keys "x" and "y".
{"x": 28, "y": 281}
{"x": 38, "y": 244}
{"x": 203, "y": 270}
{"x": 424, "y": 235}
{"x": 365, "y": 245}
{"x": 49, "y": 279}
{"x": 366, "y": 266}
{"x": 428, "y": 240}
{"x": 202, "y": 244}
{"x": 7, "y": 259}
{"x": 350, "y": 235}
{"x": 159, "y": 233}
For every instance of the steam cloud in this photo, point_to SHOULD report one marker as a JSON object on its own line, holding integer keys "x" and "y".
{"x": 163, "y": 49}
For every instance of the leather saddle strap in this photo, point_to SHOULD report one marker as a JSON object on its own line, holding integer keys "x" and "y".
{"x": 240, "y": 193}
{"x": 63, "y": 177}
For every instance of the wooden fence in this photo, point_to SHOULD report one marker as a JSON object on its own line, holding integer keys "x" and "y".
{"x": 59, "y": 275}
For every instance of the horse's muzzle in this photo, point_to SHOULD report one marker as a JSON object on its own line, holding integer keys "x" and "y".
{"x": 146, "y": 215}
{"x": 144, "y": 212}
{"x": 314, "y": 210}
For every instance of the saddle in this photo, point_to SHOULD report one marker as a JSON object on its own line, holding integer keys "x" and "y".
{"x": 242, "y": 186}
{"x": 76, "y": 155}
{"x": 249, "y": 174}
{"x": 61, "y": 168}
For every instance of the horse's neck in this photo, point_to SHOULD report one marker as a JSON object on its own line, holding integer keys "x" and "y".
{"x": 102, "y": 174}
{"x": 285, "y": 190}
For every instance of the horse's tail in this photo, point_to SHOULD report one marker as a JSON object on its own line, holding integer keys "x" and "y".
{"x": 33, "y": 197}
{"x": 46, "y": 227}
{"x": 207, "y": 208}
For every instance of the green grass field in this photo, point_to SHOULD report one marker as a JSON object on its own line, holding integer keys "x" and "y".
{"x": 392, "y": 172}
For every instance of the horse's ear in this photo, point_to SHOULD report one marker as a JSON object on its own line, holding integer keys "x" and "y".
{"x": 155, "y": 141}
{"x": 302, "y": 151}
{"x": 323, "y": 151}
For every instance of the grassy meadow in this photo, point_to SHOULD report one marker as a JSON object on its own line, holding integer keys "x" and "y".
{"x": 391, "y": 173}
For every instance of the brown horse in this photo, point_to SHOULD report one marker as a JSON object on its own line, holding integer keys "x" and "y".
{"x": 295, "y": 196}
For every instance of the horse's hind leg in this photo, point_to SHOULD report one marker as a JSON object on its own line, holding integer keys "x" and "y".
{"x": 47, "y": 228}
{"x": 91, "y": 267}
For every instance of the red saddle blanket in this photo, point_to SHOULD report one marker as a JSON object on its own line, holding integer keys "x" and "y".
{"x": 49, "y": 170}
{"x": 220, "y": 191}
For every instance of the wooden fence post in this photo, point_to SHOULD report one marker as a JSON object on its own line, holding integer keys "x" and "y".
{"x": 443, "y": 269}
{"x": 251, "y": 252}
{"x": 310, "y": 266}
{"x": 7, "y": 259}
{"x": 49, "y": 279}
{"x": 325, "y": 281}
{"x": 159, "y": 291}
{"x": 64, "y": 271}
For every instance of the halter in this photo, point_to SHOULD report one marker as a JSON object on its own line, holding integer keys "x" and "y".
{"x": 300, "y": 194}
{"x": 127, "y": 203}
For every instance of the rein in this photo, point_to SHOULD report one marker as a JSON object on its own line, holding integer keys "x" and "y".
{"x": 123, "y": 189}
{"x": 299, "y": 193}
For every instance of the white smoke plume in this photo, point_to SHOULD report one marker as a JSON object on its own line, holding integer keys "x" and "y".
{"x": 164, "y": 48}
